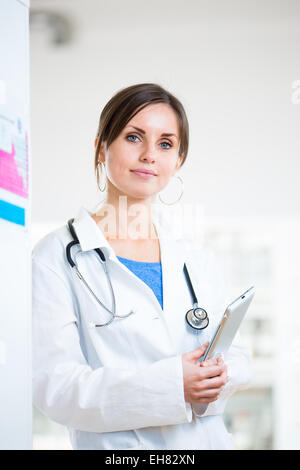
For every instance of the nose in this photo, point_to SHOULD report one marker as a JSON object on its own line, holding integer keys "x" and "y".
{"x": 148, "y": 154}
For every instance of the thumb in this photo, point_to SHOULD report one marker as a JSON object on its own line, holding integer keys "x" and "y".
{"x": 194, "y": 355}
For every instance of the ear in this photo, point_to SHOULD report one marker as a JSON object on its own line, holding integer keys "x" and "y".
{"x": 178, "y": 163}
{"x": 101, "y": 154}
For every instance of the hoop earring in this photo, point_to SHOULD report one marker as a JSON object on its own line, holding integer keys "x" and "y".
{"x": 100, "y": 165}
{"x": 182, "y": 188}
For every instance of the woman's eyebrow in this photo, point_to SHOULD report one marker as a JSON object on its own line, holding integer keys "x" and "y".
{"x": 165, "y": 134}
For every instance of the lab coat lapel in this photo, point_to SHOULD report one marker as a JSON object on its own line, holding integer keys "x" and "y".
{"x": 198, "y": 277}
{"x": 172, "y": 260}
{"x": 175, "y": 296}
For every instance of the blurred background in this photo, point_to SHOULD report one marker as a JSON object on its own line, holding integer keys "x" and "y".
{"x": 235, "y": 66}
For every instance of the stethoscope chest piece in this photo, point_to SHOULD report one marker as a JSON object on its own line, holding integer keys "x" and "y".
{"x": 197, "y": 318}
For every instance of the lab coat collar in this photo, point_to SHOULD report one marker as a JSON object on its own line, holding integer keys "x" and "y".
{"x": 88, "y": 233}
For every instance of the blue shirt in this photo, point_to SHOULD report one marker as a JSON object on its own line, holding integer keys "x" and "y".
{"x": 148, "y": 272}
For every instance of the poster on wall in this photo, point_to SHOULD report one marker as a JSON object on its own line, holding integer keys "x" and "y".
{"x": 13, "y": 168}
{"x": 14, "y": 122}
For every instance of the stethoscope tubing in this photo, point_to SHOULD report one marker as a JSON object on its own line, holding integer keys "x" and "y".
{"x": 74, "y": 267}
{"x": 196, "y": 322}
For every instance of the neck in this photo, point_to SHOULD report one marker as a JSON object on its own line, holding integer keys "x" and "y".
{"x": 124, "y": 217}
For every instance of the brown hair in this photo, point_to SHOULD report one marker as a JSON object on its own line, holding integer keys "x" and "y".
{"x": 125, "y": 104}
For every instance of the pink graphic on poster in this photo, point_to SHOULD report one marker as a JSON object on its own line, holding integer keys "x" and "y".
{"x": 14, "y": 166}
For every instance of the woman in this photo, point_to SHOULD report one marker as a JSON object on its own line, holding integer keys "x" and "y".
{"x": 131, "y": 381}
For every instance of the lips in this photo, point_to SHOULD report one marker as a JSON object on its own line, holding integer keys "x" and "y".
{"x": 143, "y": 170}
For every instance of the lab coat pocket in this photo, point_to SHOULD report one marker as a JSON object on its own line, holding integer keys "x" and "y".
{"x": 112, "y": 343}
{"x": 148, "y": 337}
{"x": 139, "y": 447}
{"x": 224, "y": 438}
{"x": 228, "y": 441}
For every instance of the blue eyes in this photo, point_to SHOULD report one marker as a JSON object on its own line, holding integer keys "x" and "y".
{"x": 165, "y": 148}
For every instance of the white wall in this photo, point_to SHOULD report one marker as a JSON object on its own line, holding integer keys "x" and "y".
{"x": 15, "y": 265}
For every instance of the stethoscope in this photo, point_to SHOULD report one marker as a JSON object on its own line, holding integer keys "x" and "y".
{"x": 196, "y": 317}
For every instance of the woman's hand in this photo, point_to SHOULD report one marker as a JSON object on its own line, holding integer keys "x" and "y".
{"x": 203, "y": 381}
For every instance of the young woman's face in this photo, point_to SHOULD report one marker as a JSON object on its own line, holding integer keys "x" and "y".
{"x": 142, "y": 146}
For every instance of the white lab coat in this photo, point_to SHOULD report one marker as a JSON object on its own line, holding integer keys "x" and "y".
{"x": 121, "y": 386}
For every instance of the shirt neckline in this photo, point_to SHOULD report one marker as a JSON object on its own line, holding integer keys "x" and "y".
{"x": 140, "y": 262}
